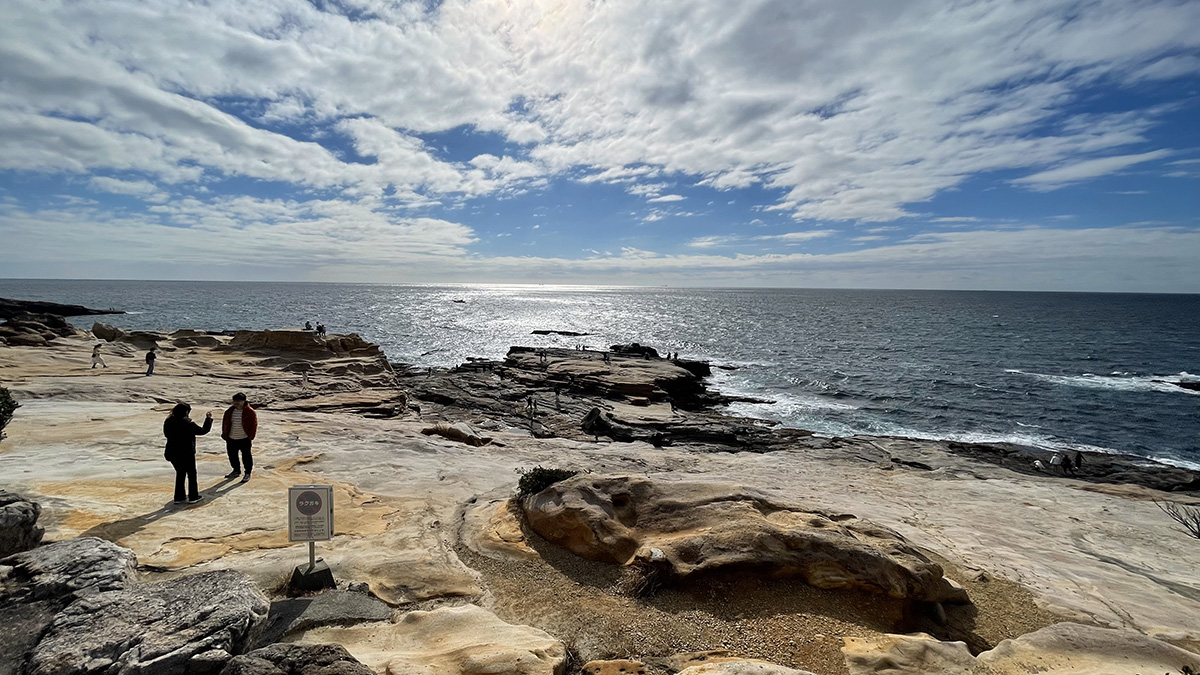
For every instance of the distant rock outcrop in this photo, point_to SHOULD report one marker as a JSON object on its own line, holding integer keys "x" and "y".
{"x": 19, "y": 530}
{"x": 10, "y": 308}
{"x": 303, "y": 342}
{"x": 35, "y": 330}
{"x": 672, "y": 531}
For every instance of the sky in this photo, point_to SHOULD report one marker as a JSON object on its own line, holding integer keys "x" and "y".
{"x": 958, "y": 144}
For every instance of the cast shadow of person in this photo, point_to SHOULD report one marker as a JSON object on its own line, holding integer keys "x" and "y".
{"x": 117, "y": 530}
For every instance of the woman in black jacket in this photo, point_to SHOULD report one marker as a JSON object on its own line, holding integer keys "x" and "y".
{"x": 181, "y": 433}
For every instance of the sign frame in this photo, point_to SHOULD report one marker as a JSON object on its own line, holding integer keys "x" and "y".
{"x": 308, "y": 521}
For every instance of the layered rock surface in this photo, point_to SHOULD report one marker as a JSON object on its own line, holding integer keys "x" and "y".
{"x": 1061, "y": 649}
{"x": 684, "y": 529}
{"x": 87, "y": 446}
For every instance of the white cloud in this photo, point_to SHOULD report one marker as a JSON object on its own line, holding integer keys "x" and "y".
{"x": 1053, "y": 179}
{"x": 122, "y": 187}
{"x": 848, "y": 119}
{"x": 667, "y": 198}
{"x": 791, "y": 237}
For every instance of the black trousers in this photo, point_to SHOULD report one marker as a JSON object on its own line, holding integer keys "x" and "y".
{"x": 232, "y": 447}
{"x": 185, "y": 467}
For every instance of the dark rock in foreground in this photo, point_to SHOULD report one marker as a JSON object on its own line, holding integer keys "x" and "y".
{"x": 19, "y": 530}
{"x": 331, "y": 608}
{"x": 289, "y": 659}
{"x": 10, "y": 308}
{"x": 37, "y": 584}
{"x": 189, "y": 625}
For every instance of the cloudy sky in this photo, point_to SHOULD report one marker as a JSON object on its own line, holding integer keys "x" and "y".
{"x": 1001, "y": 144}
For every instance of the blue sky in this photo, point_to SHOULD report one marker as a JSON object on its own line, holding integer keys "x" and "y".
{"x": 1046, "y": 145}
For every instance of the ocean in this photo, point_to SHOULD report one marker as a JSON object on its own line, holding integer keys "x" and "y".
{"x": 1083, "y": 371}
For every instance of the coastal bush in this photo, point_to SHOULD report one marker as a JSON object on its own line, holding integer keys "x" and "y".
{"x": 538, "y": 478}
{"x": 7, "y": 406}
{"x": 1187, "y": 516}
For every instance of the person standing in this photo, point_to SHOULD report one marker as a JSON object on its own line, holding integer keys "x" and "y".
{"x": 150, "y": 358}
{"x": 96, "y": 360}
{"x": 238, "y": 428}
{"x": 181, "y": 433}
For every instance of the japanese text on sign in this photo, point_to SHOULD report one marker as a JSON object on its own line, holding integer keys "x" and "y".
{"x": 310, "y": 513}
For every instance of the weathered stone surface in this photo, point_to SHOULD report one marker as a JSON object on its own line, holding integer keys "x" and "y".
{"x": 906, "y": 655}
{"x": 468, "y": 640}
{"x": 493, "y": 528}
{"x": 679, "y": 529}
{"x": 333, "y": 607}
{"x": 190, "y": 624}
{"x": 458, "y": 431}
{"x": 68, "y": 569}
{"x": 290, "y": 659}
{"x": 1061, "y": 649}
{"x": 742, "y": 667}
{"x": 23, "y": 624}
{"x": 19, "y": 530}
{"x": 615, "y": 667}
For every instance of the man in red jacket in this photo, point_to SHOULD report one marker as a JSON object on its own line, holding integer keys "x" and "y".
{"x": 238, "y": 428}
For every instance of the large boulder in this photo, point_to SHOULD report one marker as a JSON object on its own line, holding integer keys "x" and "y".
{"x": 36, "y": 584}
{"x": 458, "y": 431}
{"x": 290, "y": 659}
{"x": 1061, "y": 649}
{"x": 106, "y": 332}
{"x": 67, "y": 570}
{"x": 189, "y": 625}
{"x": 19, "y": 530}
{"x": 676, "y": 530}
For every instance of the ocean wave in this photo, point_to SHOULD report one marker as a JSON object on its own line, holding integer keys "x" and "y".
{"x": 1118, "y": 381}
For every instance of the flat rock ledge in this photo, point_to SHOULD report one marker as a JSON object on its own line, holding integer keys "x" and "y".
{"x": 19, "y": 530}
{"x": 1061, "y": 649}
{"x": 190, "y": 625}
{"x": 672, "y": 531}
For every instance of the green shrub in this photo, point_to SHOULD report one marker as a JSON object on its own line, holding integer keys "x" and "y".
{"x": 537, "y": 479}
{"x": 7, "y": 407}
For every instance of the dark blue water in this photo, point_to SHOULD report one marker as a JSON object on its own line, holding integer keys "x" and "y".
{"x": 1074, "y": 370}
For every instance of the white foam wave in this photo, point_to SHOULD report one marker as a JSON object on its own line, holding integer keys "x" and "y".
{"x": 1118, "y": 381}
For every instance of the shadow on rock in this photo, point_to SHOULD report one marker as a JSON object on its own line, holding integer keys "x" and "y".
{"x": 119, "y": 529}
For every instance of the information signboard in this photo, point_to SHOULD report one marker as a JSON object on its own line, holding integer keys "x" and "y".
{"x": 310, "y": 513}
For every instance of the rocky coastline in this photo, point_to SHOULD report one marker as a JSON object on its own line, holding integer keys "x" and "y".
{"x": 650, "y": 533}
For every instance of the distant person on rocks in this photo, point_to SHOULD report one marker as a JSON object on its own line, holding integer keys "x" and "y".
{"x": 151, "y": 357}
{"x": 1078, "y": 459}
{"x": 1038, "y": 465}
{"x": 238, "y": 428}
{"x": 96, "y": 360}
{"x": 1056, "y": 460}
{"x": 307, "y": 325}
{"x": 1068, "y": 465}
{"x": 320, "y": 328}
{"x": 181, "y": 433}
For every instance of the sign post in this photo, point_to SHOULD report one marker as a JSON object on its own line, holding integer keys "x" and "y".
{"x": 310, "y": 519}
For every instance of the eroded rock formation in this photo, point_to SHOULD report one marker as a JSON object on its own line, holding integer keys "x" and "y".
{"x": 1061, "y": 649}
{"x": 678, "y": 530}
